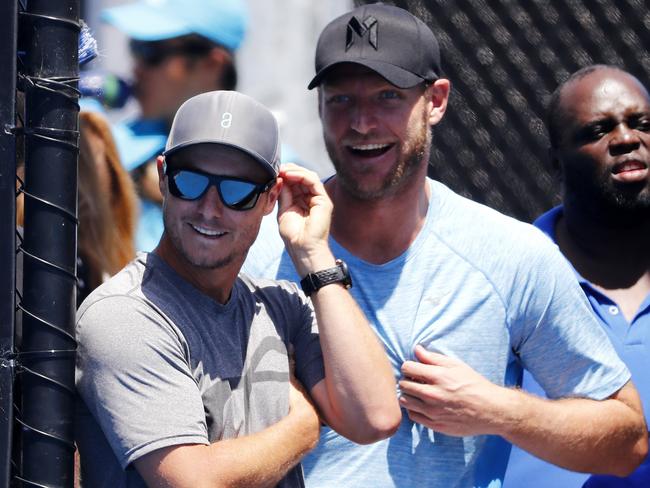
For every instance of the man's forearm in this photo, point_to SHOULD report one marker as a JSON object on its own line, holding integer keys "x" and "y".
{"x": 602, "y": 437}
{"x": 258, "y": 460}
{"x": 358, "y": 396}
{"x": 359, "y": 390}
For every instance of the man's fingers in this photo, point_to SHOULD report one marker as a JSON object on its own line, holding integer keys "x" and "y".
{"x": 416, "y": 389}
{"x": 424, "y": 373}
{"x": 285, "y": 200}
{"x": 430, "y": 357}
{"x": 302, "y": 180}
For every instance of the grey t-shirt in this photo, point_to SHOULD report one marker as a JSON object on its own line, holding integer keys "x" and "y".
{"x": 160, "y": 364}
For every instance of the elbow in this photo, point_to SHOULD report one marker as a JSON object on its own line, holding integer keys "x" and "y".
{"x": 382, "y": 424}
{"x": 637, "y": 455}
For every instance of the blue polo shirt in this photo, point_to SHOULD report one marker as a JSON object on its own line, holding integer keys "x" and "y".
{"x": 632, "y": 342}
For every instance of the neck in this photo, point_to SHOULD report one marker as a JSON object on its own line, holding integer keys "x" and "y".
{"x": 379, "y": 230}
{"x": 607, "y": 239}
{"x": 216, "y": 283}
{"x": 610, "y": 256}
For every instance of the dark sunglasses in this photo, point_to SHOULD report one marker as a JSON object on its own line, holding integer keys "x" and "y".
{"x": 235, "y": 193}
{"x": 153, "y": 53}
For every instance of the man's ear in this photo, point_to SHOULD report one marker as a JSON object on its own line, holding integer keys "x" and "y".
{"x": 213, "y": 65}
{"x": 273, "y": 195}
{"x": 160, "y": 161}
{"x": 437, "y": 95}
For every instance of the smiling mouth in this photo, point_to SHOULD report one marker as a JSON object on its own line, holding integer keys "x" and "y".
{"x": 369, "y": 150}
{"x": 207, "y": 232}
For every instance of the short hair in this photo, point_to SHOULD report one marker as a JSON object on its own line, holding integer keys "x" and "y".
{"x": 553, "y": 112}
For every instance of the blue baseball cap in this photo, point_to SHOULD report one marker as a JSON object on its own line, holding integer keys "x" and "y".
{"x": 222, "y": 21}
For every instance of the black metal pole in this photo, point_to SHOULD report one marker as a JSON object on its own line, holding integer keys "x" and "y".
{"x": 8, "y": 34}
{"x": 50, "y": 31}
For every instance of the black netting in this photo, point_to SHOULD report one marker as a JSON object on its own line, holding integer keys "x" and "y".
{"x": 504, "y": 59}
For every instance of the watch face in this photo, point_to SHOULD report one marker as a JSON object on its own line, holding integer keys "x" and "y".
{"x": 347, "y": 279}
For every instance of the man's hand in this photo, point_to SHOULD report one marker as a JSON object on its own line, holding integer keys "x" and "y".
{"x": 304, "y": 214}
{"x": 446, "y": 395}
{"x": 593, "y": 436}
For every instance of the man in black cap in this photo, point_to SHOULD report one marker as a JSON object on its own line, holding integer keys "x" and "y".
{"x": 184, "y": 369}
{"x": 462, "y": 297}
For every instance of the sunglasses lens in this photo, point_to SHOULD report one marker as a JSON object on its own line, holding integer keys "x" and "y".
{"x": 239, "y": 195}
{"x": 234, "y": 193}
{"x": 188, "y": 185}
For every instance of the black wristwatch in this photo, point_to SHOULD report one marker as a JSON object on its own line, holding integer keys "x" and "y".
{"x": 315, "y": 281}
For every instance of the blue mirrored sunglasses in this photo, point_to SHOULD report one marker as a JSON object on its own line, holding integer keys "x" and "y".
{"x": 235, "y": 193}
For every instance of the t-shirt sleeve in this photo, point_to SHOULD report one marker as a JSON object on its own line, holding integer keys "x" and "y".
{"x": 555, "y": 333}
{"x": 133, "y": 375}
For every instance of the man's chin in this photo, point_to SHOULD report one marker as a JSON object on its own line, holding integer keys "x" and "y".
{"x": 207, "y": 262}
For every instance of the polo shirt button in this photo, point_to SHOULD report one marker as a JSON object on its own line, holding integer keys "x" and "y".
{"x": 613, "y": 309}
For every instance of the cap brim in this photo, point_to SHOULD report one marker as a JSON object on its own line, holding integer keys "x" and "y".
{"x": 395, "y": 75}
{"x": 157, "y": 26}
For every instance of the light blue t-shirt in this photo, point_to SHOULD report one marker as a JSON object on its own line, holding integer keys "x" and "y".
{"x": 478, "y": 286}
{"x": 632, "y": 342}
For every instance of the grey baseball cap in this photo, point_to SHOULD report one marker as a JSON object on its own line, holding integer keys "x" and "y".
{"x": 231, "y": 119}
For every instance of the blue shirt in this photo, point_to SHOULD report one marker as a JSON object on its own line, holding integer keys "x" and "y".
{"x": 478, "y": 286}
{"x": 632, "y": 342}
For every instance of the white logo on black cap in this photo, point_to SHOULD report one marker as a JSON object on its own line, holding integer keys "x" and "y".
{"x": 368, "y": 25}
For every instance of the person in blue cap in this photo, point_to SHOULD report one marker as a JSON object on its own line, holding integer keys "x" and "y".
{"x": 599, "y": 127}
{"x": 180, "y": 48}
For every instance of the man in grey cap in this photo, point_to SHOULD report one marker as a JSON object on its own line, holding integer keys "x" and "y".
{"x": 462, "y": 297}
{"x": 186, "y": 368}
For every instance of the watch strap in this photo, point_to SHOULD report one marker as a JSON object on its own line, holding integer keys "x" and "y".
{"x": 337, "y": 274}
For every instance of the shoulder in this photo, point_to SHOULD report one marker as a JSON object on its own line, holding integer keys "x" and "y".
{"x": 272, "y": 290}
{"x": 119, "y": 309}
{"x": 138, "y": 141}
{"x": 485, "y": 237}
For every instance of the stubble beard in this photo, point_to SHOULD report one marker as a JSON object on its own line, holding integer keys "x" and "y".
{"x": 411, "y": 158}
{"x": 203, "y": 261}
{"x": 611, "y": 205}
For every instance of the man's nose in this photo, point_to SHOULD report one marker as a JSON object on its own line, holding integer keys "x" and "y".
{"x": 364, "y": 118}
{"x": 210, "y": 204}
{"x": 624, "y": 139}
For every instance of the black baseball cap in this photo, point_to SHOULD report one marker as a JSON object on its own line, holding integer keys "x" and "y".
{"x": 388, "y": 40}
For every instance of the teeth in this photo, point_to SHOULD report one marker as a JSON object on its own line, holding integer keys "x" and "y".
{"x": 369, "y": 147}
{"x": 632, "y": 165}
{"x": 207, "y": 232}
